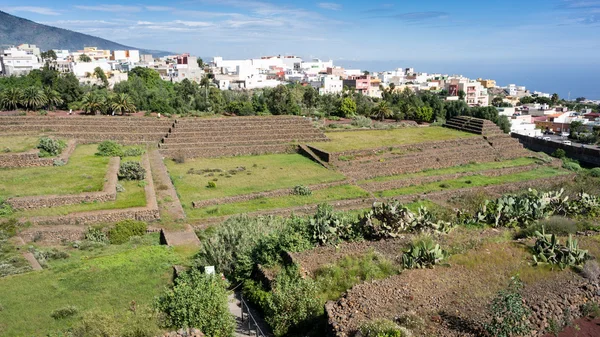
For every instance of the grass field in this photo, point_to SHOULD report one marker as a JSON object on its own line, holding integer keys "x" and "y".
{"x": 84, "y": 173}
{"x": 356, "y": 140}
{"x": 262, "y": 173}
{"x": 330, "y": 194}
{"x": 473, "y": 181}
{"x": 475, "y": 167}
{"x": 104, "y": 281}
{"x": 15, "y": 144}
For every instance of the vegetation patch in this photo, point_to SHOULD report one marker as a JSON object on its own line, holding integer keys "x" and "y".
{"x": 16, "y": 144}
{"x": 51, "y": 147}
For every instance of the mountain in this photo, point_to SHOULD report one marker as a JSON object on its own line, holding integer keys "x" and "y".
{"x": 15, "y": 31}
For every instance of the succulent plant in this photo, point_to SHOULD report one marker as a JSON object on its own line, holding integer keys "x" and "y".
{"x": 423, "y": 254}
{"x": 548, "y": 250}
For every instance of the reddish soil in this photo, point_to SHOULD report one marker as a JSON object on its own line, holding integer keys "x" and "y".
{"x": 581, "y": 328}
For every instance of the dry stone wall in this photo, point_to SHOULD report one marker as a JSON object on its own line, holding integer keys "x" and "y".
{"x": 108, "y": 193}
{"x": 32, "y": 159}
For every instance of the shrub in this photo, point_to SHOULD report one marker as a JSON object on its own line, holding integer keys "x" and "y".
{"x": 423, "y": 254}
{"x": 362, "y": 122}
{"x": 328, "y": 227}
{"x": 591, "y": 271}
{"x": 509, "y": 314}
{"x": 58, "y": 162}
{"x": 131, "y": 170}
{"x": 120, "y": 188}
{"x": 68, "y": 311}
{"x": 301, "y": 190}
{"x": 95, "y": 234}
{"x": 590, "y": 309}
{"x": 133, "y": 152}
{"x": 548, "y": 250}
{"x": 197, "y": 300}
{"x": 179, "y": 158}
{"x": 108, "y": 148}
{"x": 558, "y": 225}
{"x": 383, "y": 328}
{"x": 559, "y": 153}
{"x": 50, "y": 147}
{"x": 595, "y": 172}
{"x": 5, "y": 208}
{"x": 254, "y": 292}
{"x": 125, "y": 229}
{"x": 572, "y": 166}
{"x": 211, "y": 184}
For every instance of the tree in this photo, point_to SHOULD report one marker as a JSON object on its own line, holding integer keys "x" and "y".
{"x": 527, "y": 100}
{"x": 461, "y": 95}
{"x": 92, "y": 103}
{"x": 11, "y": 98}
{"x": 281, "y": 102}
{"x": 33, "y": 98}
{"x": 84, "y": 58}
{"x": 575, "y": 128}
{"x": 554, "y": 99}
{"x": 497, "y": 101}
{"x": 580, "y": 99}
{"x": 197, "y": 300}
{"x": 99, "y": 74}
{"x": 49, "y": 55}
{"x": 504, "y": 123}
{"x": 205, "y": 82}
{"x": 52, "y": 98}
{"x": 456, "y": 108}
{"x": 122, "y": 103}
{"x": 382, "y": 111}
{"x": 424, "y": 114}
{"x": 347, "y": 108}
{"x": 310, "y": 98}
{"x": 200, "y": 62}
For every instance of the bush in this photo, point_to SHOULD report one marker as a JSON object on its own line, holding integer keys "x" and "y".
{"x": 509, "y": 314}
{"x": 301, "y": 190}
{"x": 119, "y": 188}
{"x": 5, "y": 208}
{"x": 66, "y": 312}
{"x": 362, "y": 122}
{"x": 423, "y": 254}
{"x": 50, "y": 147}
{"x": 595, "y": 172}
{"x": 133, "y": 152}
{"x": 559, "y": 153}
{"x": 108, "y": 148}
{"x": 590, "y": 309}
{"x": 58, "y": 162}
{"x": 572, "y": 166}
{"x": 329, "y": 227}
{"x": 95, "y": 234}
{"x": 197, "y": 300}
{"x": 131, "y": 170}
{"x": 383, "y": 328}
{"x": 548, "y": 250}
{"x": 179, "y": 158}
{"x": 125, "y": 229}
{"x": 211, "y": 184}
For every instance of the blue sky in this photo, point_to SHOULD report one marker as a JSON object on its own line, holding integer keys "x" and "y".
{"x": 551, "y": 33}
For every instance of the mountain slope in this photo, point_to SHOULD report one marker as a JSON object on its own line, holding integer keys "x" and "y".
{"x": 15, "y": 31}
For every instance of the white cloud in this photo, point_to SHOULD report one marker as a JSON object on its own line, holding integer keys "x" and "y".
{"x": 194, "y": 23}
{"x": 330, "y": 5}
{"x": 111, "y": 8}
{"x": 33, "y": 9}
{"x": 159, "y": 8}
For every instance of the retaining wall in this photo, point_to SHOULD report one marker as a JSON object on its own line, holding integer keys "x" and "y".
{"x": 32, "y": 159}
{"x": 108, "y": 193}
{"x": 223, "y": 151}
{"x": 586, "y": 154}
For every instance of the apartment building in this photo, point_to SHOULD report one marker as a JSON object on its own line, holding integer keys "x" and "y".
{"x": 16, "y": 62}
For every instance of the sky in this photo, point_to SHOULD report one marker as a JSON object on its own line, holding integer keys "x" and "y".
{"x": 537, "y": 42}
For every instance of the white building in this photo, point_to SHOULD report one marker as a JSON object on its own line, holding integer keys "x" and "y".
{"x": 31, "y": 49}
{"x": 18, "y": 62}
{"x": 85, "y": 69}
{"x": 131, "y": 56}
{"x": 512, "y": 90}
{"x": 331, "y": 85}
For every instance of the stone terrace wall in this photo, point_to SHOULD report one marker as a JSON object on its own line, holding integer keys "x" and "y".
{"x": 148, "y": 213}
{"x": 228, "y": 151}
{"x": 32, "y": 159}
{"x": 108, "y": 193}
{"x": 585, "y": 154}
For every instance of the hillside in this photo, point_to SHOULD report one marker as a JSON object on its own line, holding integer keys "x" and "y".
{"x": 15, "y": 30}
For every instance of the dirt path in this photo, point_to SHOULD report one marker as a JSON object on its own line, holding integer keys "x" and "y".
{"x": 169, "y": 204}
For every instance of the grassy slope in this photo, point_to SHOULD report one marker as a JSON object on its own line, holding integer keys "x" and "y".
{"x": 105, "y": 282}
{"x": 458, "y": 169}
{"x": 84, "y": 173}
{"x": 14, "y": 144}
{"x": 329, "y": 194}
{"x": 355, "y": 140}
{"x": 543, "y": 172}
{"x": 263, "y": 173}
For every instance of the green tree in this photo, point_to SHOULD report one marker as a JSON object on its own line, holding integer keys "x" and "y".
{"x": 575, "y": 128}
{"x": 53, "y": 98}
{"x": 150, "y": 77}
{"x": 200, "y": 301}
{"x": 347, "y": 108}
{"x": 200, "y": 62}
{"x": 33, "y": 98}
{"x": 504, "y": 123}
{"x": 497, "y": 101}
{"x": 92, "y": 103}
{"x": 554, "y": 99}
{"x": 122, "y": 103}
{"x": 424, "y": 114}
{"x": 205, "y": 83}
{"x": 84, "y": 58}
{"x": 382, "y": 111}
{"x": 281, "y": 102}
{"x": 11, "y": 98}
{"x": 49, "y": 55}
{"x": 310, "y": 98}
{"x": 461, "y": 95}
{"x": 527, "y": 100}
{"x": 99, "y": 74}
{"x": 456, "y": 108}
{"x": 68, "y": 87}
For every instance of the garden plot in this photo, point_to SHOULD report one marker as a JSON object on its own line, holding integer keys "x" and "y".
{"x": 16, "y": 144}
{"x": 356, "y": 140}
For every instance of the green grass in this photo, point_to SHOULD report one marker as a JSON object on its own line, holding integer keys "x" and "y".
{"x": 98, "y": 282}
{"x": 329, "y": 194}
{"x": 134, "y": 196}
{"x": 15, "y": 144}
{"x": 473, "y": 181}
{"x": 356, "y": 140}
{"x": 333, "y": 280}
{"x": 262, "y": 173}
{"x": 473, "y": 167}
{"x": 84, "y": 173}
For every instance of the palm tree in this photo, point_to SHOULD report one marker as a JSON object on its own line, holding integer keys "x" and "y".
{"x": 11, "y": 98}
{"x": 33, "y": 98}
{"x": 382, "y": 111}
{"x": 205, "y": 82}
{"x": 52, "y": 98}
{"x": 84, "y": 58}
{"x": 92, "y": 103}
{"x": 122, "y": 103}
